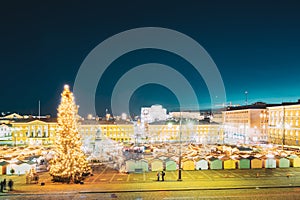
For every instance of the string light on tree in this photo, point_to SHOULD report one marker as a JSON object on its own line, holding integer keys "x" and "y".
{"x": 69, "y": 163}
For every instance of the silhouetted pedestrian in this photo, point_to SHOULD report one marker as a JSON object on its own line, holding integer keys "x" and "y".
{"x": 1, "y": 186}
{"x": 10, "y": 184}
{"x": 4, "y": 184}
{"x": 163, "y": 176}
{"x": 158, "y": 176}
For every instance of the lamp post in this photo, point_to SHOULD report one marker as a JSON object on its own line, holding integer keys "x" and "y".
{"x": 246, "y": 97}
{"x": 283, "y": 127}
{"x": 179, "y": 164}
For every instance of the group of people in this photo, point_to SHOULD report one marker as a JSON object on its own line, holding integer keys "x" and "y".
{"x": 162, "y": 175}
{"x": 3, "y": 185}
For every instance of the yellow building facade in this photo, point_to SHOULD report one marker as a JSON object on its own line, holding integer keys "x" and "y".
{"x": 245, "y": 125}
{"x": 201, "y": 133}
{"x": 284, "y": 124}
{"x": 277, "y": 124}
{"x": 34, "y": 132}
{"x": 19, "y": 131}
{"x": 118, "y": 132}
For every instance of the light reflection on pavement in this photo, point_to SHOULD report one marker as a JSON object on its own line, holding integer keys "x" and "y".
{"x": 206, "y": 184}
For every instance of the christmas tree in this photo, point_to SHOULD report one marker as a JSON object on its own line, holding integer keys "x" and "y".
{"x": 69, "y": 163}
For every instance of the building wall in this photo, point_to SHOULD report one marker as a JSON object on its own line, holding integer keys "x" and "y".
{"x": 34, "y": 133}
{"x": 38, "y": 132}
{"x": 5, "y": 134}
{"x": 278, "y": 125}
{"x": 41, "y": 133}
{"x": 284, "y": 124}
{"x": 205, "y": 134}
{"x": 264, "y": 121}
{"x": 187, "y": 115}
{"x": 152, "y": 114}
{"x": 245, "y": 125}
{"x": 117, "y": 132}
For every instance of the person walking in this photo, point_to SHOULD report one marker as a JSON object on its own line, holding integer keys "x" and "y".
{"x": 1, "y": 186}
{"x": 158, "y": 176}
{"x": 10, "y": 184}
{"x": 4, "y": 184}
{"x": 163, "y": 176}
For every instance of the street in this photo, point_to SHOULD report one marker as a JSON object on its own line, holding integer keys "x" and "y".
{"x": 206, "y": 184}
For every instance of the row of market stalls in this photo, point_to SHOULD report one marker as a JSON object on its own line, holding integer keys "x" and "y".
{"x": 212, "y": 163}
{"x": 20, "y": 160}
{"x": 16, "y": 167}
{"x": 155, "y": 165}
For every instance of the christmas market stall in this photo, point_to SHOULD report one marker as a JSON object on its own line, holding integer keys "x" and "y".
{"x": 283, "y": 162}
{"x": 215, "y": 163}
{"x": 188, "y": 164}
{"x": 130, "y": 165}
{"x": 294, "y": 161}
{"x": 3, "y": 165}
{"x": 170, "y": 165}
{"x": 201, "y": 164}
{"x": 229, "y": 163}
{"x": 269, "y": 163}
{"x": 244, "y": 163}
{"x": 141, "y": 166}
{"x": 156, "y": 165}
{"x": 256, "y": 163}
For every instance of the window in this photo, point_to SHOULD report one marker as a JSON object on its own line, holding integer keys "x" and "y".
{"x": 39, "y": 133}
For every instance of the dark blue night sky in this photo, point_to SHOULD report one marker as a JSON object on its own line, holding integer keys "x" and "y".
{"x": 255, "y": 45}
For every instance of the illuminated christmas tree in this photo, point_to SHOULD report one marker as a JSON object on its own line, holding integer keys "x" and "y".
{"x": 69, "y": 163}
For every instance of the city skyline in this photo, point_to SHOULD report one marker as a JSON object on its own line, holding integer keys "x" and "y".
{"x": 254, "y": 45}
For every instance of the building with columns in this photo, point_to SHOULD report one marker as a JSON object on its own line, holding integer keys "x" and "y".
{"x": 16, "y": 130}
{"x": 34, "y": 131}
{"x": 31, "y": 130}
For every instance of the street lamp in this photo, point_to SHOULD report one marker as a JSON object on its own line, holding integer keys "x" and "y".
{"x": 283, "y": 127}
{"x": 179, "y": 164}
{"x": 246, "y": 97}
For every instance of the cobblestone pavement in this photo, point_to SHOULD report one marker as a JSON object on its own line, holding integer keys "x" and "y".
{"x": 205, "y": 184}
{"x": 239, "y": 194}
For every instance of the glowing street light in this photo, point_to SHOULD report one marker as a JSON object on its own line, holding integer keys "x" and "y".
{"x": 179, "y": 164}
